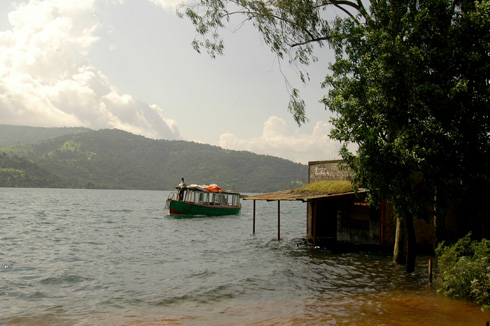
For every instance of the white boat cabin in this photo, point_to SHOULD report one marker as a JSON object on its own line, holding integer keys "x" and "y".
{"x": 201, "y": 196}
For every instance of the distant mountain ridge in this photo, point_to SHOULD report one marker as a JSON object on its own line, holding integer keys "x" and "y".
{"x": 120, "y": 160}
{"x": 15, "y": 135}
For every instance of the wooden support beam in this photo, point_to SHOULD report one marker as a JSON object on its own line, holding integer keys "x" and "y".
{"x": 278, "y": 220}
{"x": 253, "y": 227}
{"x": 382, "y": 231}
{"x": 313, "y": 222}
{"x": 430, "y": 271}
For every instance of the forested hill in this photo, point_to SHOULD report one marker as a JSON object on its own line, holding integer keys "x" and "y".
{"x": 18, "y": 172}
{"x": 120, "y": 160}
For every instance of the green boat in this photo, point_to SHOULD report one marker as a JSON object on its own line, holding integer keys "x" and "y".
{"x": 203, "y": 200}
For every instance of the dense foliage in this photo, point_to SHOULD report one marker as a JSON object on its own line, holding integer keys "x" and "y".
{"x": 18, "y": 172}
{"x": 117, "y": 159}
{"x": 411, "y": 87}
{"x": 464, "y": 270}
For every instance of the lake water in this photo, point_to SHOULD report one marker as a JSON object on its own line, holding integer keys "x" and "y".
{"x": 110, "y": 257}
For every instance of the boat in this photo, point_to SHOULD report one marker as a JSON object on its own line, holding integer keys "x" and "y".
{"x": 208, "y": 200}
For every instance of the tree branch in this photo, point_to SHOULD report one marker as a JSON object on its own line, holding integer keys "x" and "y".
{"x": 319, "y": 39}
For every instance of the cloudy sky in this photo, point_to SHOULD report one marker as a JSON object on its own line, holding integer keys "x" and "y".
{"x": 129, "y": 64}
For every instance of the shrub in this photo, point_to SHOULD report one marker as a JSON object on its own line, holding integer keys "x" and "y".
{"x": 464, "y": 270}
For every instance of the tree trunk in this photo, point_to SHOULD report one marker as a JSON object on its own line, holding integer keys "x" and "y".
{"x": 411, "y": 244}
{"x": 399, "y": 249}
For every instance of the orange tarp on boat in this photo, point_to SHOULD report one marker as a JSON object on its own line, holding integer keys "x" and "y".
{"x": 213, "y": 188}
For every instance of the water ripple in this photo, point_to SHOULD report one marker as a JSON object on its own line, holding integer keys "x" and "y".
{"x": 91, "y": 257}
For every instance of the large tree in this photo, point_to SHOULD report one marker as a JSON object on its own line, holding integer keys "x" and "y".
{"x": 410, "y": 86}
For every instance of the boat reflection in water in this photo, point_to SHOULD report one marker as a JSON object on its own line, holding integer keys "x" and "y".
{"x": 203, "y": 200}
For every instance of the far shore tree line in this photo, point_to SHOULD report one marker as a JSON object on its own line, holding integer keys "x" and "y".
{"x": 410, "y": 86}
{"x": 115, "y": 159}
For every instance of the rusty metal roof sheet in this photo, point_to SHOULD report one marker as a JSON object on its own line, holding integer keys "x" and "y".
{"x": 293, "y": 195}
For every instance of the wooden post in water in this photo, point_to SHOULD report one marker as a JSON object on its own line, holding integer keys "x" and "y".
{"x": 278, "y": 220}
{"x": 430, "y": 271}
{"x": 253, "y": 227}
{"x": 382, "y": 231}
{"x": 313, "y": 222}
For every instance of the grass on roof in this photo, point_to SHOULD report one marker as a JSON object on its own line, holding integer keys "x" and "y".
{"x": 326, "y": 188}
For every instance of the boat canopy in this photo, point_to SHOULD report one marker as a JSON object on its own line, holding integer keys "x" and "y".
{"x": 206, "y": 188}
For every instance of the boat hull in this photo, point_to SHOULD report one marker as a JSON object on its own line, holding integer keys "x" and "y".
{"x": 186, "y": 208}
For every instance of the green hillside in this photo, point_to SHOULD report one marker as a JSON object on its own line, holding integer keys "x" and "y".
{"x": 18, "y": 172}
{"x": 118, "y": 159}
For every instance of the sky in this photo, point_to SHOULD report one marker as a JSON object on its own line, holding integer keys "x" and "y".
{"x": 129, "y": 64}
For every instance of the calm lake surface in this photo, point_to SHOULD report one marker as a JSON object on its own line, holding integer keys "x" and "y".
{"x": 105, "y": 257}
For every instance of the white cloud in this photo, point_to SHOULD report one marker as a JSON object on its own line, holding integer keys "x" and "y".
{"x": 47, "y": 80}
{"x": 278, "y": 139}
{"x": 167, "y": 4}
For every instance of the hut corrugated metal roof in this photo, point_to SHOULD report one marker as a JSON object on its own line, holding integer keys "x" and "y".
{"x": 293, "y": 195}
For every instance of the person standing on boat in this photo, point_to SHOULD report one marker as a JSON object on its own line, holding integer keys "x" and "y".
{"x": 181, "y": 190}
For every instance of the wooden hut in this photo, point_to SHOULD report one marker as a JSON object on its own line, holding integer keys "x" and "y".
{"x": 343, "y": 216}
